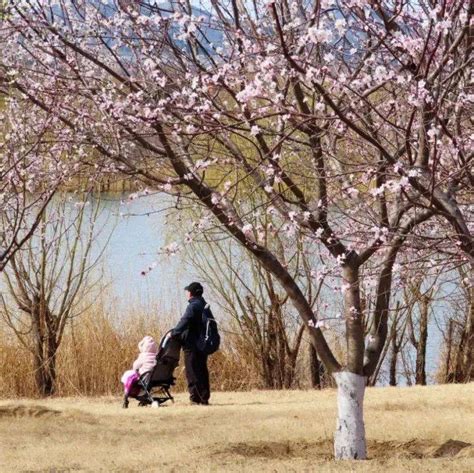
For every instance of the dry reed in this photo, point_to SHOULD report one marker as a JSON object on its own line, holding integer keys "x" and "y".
{"x": 98, "y": 347}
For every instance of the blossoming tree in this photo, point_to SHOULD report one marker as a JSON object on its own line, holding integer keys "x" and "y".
{"x": 30, "y": 173}
{"x": 348, "y": 120}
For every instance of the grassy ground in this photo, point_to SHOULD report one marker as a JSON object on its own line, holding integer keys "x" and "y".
{"x": 257, "y": 431}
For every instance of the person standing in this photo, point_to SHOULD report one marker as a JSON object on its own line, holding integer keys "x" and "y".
{"x": 195, "y": 361}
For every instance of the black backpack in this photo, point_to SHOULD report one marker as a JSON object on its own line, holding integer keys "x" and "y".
{"x": 209, "y": 338}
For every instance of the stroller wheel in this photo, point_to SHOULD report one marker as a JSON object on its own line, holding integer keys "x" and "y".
{"x": 155, "y": 404}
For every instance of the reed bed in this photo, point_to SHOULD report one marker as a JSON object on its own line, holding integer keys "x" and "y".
{"x": 98, "y": 347}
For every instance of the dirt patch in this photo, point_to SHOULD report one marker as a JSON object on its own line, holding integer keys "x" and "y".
{"x": 416, "y": 449}
{"x": 321, "y": 449}
{"x": 450, "y": 448}
{"x": 19, "y": 411}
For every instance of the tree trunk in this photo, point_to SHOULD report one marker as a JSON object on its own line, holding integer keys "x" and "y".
{"x": 349, "y": 438}
{"x": 45, "y": 349}
{"x": 468, "y": 362}
{"x": 449, "y": 345}
{"x": 289, "y": 371}
{"x": 354, "y": 321}
{"x": 421, "y": 345}
{"x": 45, "y": 375}
{"x": 314, "y": 367}
{"x": 393, "y": 362}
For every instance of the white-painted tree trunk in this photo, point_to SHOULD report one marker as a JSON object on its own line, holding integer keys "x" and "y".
{"x": 349, "y": 438}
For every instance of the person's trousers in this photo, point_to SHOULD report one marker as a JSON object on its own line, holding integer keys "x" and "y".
{"x": 197, "y": 376}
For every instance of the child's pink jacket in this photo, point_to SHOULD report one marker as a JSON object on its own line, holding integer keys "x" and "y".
{"x": 146, "y": 360}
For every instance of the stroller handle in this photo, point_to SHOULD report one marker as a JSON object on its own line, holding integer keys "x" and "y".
{"x": 165, "y": 339}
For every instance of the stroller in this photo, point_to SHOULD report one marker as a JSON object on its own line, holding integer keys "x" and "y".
{"x": 153, "y": 387}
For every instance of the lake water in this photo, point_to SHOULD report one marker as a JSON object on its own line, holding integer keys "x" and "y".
{"x": 137, "y": 230}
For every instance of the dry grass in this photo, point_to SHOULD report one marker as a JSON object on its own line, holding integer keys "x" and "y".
{"x": 278, "y": 431}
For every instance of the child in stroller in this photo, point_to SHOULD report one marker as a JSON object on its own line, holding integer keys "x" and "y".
{"x": 155, "y": 372}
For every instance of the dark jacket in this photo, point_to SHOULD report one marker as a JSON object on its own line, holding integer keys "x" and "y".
{"x": 189, "y": 327}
